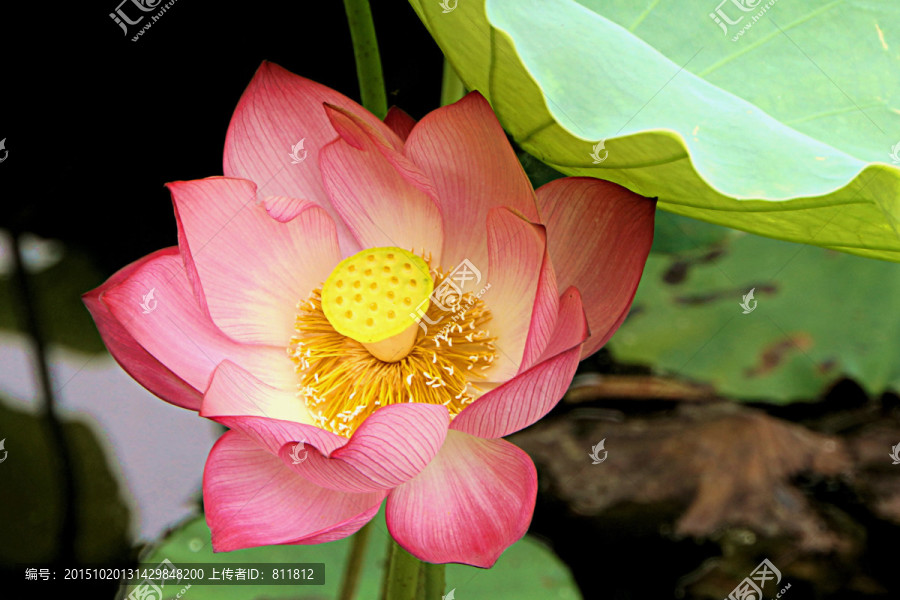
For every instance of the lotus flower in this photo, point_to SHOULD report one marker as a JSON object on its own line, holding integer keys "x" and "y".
{"x": 298, "y": 308}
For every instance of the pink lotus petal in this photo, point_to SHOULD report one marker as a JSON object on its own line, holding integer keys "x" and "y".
{"x": 473, "y": 501}
{"x": 252, "y": 499}
{"x": 235, "y": 392}
{"x": 382, "y": 197}
{"x": 619, "y": 225}
{"x": 272, "y": 434}
{"x": 390, "y": 447}
{"x": 252, "y": 269}
{"x": 358, "y": 133}
{"x": 177, "y": 332}
{"x": 528, "y": 397}
{"x": 272, "y": 417}
{"x": 464, "y": 152}
{"x": 278, "y": 110}
{"x": 283, "y": 208}
{"x": 136, "y": 361}
{"x": 543, "y": 317}
{"x": 399, "y": 122}
{"x": 516, "y": 249}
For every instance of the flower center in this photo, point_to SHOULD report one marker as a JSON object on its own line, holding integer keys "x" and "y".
{"x": 370, "y": 297}
{"x": 370, "y": 337}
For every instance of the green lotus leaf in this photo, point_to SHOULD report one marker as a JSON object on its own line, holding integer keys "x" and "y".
{"x": 760, "y": 319}
{"x": 780, "y": 121}
{"x": 527, "y": 570}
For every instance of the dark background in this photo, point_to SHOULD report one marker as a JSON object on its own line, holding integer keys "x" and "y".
{"x": 96, "y": 124}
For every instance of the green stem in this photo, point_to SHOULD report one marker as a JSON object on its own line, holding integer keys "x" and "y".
{"x": 60, "y": 447}
{"x": 420, "y": 587}
{"x": 368, "y": 61}
{"x": 452, "y": 88}
{"x": 387, "y": 564}
{"x": 434, "y": 581}
{"x": 402, "y": 575}
{"x": 354, "y": 563}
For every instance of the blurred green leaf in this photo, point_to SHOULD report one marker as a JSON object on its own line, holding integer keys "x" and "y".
{"x": 526, "y": 571}
{"x": 821, "y": 315}
{"x": 769, "y": 134}
{"x": 30, "y": 502}
{"x": 57, "y": 291}
{"x": 538, "y": 173}
{"x": 674, "y": 234}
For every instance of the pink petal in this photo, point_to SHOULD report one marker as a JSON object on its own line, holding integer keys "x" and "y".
{"x": 252, "y": 499}
{"x": 473, "y": 501}
{"x": 543, "y": 316}
{"x": 178, "y": 334}
{"x": 381, "y": 196}
{"x": 136, "y": 361}
{"x": 358, "y": 133}
{"x": 390, "y": 447}
{"x": 464, "y": 152}
{"x": 528, "y": 397}
{"x": 284, "y": 209}
{"x": 599, "y": 235}
{"x": 516, "y": 249}
{"x": 276, "y": 111}
{"x": 399, "y": 122}
{"x": 235, "y": 392}
{"x": 272, "y": 417}
{"x": 252, "y": 269}
{"x": 572, "y": 327}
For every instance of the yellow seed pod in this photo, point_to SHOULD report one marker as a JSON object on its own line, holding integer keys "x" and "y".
{"x": 377, "y": 294}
